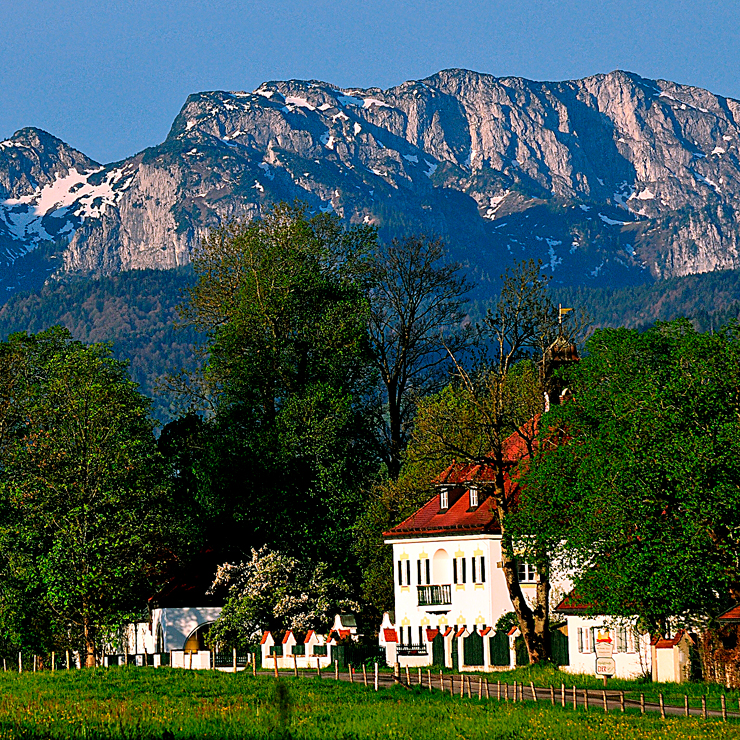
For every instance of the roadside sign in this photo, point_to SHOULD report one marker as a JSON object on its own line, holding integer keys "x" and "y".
{"x": 605, "y": 667}
{"x": 604, "y": 646}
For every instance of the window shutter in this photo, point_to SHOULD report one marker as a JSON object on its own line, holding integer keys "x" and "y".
{"x": 418, "y": 571}
{"x": 400, "y": 573}
{"x": 429, "y": 580}
{"x": 472, "y": 568}
{"x": 482, "y": 569}
{"x": 454, "y": 570}
{"x": 580, "y": 640}
{"x": 463, "y": 569}
{"x": 408, "y": 572}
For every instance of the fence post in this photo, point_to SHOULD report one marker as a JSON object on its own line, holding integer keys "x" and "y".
{"x": 336, "y": 669}
{"x": 534, "y": 693}
{"x": 480, "y": 687}
{"x": 441, "y": 681}
{"x": 462, "y": 685}
{"x": 376, "y": 676}
{"x": 704, "y": 707}
{"x": 498, "y": 690}
{"x": 364, "y": 675}
{"x": 419, "y": 676}
{"x": 606, "y": 706}
{"x": 35, "y": 662}
{"x": 562, "y": 694}
{"x": 254, "y": 664}
{"x": 408, "y": 678}
{"x": 452, "y": 686}
{"x": 277, "y": 675}
{"x": 552, "y": 695}
{"x": 318, "y": 668}
{"x": 686, "y": 705}
{"x": 67, "y": 659}
{"x": 351, "y": 674}
{"x": 429, "y": 679}
{"x": 295, "y": 666}
{"x": 642, "y": 703}
{"x": 52, "y": 661}
{"x": 585, "y": 699}
{"x": 723, "y": 702}
{"x": 213, "y": 659}
{"x": 233, "y": 659}
{"x": 515, "y": 693}
{"x": 20, "y": 662}
{"x": 575, "y": 699}
{"x": 621, "y": 700}
{"x": 488, "y": 689}
{"x": 662, "y": 706}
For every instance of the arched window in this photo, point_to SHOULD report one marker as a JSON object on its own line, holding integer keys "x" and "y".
{"x": 441, "y": 567}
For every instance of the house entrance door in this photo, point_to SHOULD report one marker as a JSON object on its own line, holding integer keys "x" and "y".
{"x": 438, "y": 650}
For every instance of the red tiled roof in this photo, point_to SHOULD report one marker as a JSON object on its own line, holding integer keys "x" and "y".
{"x": 390, "y": 635}
{"x": 660, "y": 643}
{"x": 573, "y": 604}
{"x": 459, "y": 517}
{"x": 286, "y": 636}
{"x": 431, "y": 633}
{"x": 731, "y": 616}
{"x": 309, "y": 635}
{"x": 264, "y": 638}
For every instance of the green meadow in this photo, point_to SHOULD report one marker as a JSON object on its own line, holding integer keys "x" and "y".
{"x": 166, "y": 704}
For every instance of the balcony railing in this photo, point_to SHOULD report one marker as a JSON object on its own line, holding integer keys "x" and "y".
{"x": 434, "y": 595}
{"x": 412, "y": 649}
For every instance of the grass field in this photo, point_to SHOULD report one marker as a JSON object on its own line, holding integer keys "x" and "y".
{"x": 166, "y": 704}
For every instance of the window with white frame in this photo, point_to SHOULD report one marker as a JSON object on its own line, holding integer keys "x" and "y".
{"x": 585, "y": 639}
{"x": 478, "y": 569}
{"x": 444, "y": 498}
{"x": 459, "y": 571}
{"x": 404, "y": 572}
{"x": 473, "y": 497}
{"x": 527, "y": 573}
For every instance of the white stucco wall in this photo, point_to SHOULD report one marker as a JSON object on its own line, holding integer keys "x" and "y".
{"x": 630, "y": 663}
{"x": 177, "y": 624}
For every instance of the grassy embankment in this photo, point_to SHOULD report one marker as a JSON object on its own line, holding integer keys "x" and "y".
{"x": 167, "y": 704}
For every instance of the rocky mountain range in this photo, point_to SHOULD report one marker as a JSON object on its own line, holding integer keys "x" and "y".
{"x": 610, "y": 180}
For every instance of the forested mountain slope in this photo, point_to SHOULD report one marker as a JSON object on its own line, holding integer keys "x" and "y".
{"x": 136, "y": 311}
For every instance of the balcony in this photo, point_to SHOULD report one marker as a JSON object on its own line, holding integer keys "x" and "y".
{"x": 434, "y": 595}
{"x": 411, "y": 649}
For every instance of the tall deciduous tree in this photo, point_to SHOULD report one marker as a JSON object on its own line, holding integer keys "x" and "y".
{"x": 416, "y": 320}
{"x": 283, "y": 301}
{"x": 85, "y": 524}
{"x": 645, "y": 493}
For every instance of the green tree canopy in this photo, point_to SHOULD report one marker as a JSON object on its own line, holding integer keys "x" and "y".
{"x": 641, "y": 484}
{"x": 85, "y": 525}
{"x": 288, "y": 371}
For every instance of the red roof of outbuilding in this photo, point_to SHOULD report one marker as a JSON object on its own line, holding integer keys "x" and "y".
{"x": 264, "y": 638}
{"x": 573, "y": 604}
{"x": 659, "y": 643}
{"x": 431, "y": 633}
{"x": 459, "y": 517}
{"x": 390, "y": 635}
{"x": 731, "y": 616}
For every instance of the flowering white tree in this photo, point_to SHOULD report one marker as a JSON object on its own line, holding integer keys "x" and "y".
{"x": 276, "y": 592}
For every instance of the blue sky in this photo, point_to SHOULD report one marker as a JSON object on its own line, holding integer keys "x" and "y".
{"x": 109, "y": 77}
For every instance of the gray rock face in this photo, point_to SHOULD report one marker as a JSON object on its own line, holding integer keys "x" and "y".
{"x": 609, "y": 179}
